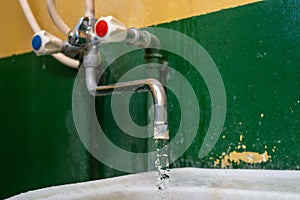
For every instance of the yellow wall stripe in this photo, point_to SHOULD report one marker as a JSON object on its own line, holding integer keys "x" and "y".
{"x": 16, "y": 33}
{"x": 141, "y": 13}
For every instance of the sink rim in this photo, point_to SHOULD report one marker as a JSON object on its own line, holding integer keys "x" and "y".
{"x": 181, "y": 179}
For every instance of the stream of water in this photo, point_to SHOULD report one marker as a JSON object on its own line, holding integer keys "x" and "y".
{"x": 163, "y": 171}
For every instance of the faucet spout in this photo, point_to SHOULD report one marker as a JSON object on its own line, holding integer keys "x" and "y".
{"x": 157, "y": 91}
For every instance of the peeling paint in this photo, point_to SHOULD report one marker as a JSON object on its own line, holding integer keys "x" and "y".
{"x": 226, "y": 160}
{"x": 241, "y": 138}
{"x": 238, "y": 157}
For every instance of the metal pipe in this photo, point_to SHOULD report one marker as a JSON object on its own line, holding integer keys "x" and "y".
{"x": 143, "y": 39}
{"x": 161, "y": 130}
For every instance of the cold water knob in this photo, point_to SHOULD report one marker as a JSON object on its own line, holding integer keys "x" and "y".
{"x": 44, "y": 43}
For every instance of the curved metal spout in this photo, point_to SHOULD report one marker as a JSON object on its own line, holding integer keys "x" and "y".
{"x": 161, "y": 130}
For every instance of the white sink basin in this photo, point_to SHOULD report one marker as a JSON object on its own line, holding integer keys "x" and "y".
{"x": 185, "y": 184}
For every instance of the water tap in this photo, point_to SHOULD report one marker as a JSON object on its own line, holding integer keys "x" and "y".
{"x": 44, "y": 43}
{"x": 83, "y": 33}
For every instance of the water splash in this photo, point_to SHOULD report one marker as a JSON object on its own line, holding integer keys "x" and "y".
{"x": 163, "y": 171}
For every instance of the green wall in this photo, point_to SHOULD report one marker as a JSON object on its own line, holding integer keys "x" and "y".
{"x": 256, "y": 48}
{"x": 257, "y": 51}
{"x": 39, "y": 144}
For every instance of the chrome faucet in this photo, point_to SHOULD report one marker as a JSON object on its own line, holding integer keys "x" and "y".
{"x": 83, "y": 42}
{"x": 83, "y": 32}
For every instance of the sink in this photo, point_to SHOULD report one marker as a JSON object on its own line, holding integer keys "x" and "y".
{"x": 185, "y": 184}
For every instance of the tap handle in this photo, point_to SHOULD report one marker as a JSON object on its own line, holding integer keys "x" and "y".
{"x": 44, "y": 43}
{"x": 109, "y": 29}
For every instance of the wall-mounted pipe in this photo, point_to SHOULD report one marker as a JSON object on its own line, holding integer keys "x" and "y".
{"x": 142, "y": 39}
{"x": 91, "y": 61}
{"x": 29, "y": 16}
{"x": 89, "y": 8}
{"x": 57, "y": 20}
